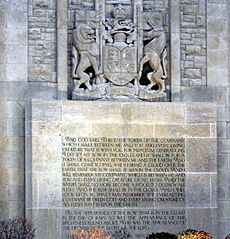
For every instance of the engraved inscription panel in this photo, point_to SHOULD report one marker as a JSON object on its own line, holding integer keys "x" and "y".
{"x": 108, "y": 180}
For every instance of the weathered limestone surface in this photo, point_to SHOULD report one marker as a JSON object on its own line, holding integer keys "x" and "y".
{"x": 49, "y": 124}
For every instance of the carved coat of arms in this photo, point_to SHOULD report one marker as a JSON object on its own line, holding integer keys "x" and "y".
{"x": 119, "y": 54}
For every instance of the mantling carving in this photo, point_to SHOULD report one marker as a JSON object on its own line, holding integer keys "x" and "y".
{"x": 119, "y": 56}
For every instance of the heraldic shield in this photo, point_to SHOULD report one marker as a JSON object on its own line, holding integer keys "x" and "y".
{"x": 120, "y": 66}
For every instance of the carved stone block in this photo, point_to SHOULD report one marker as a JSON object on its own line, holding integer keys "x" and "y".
{"x": 119, "y": 51}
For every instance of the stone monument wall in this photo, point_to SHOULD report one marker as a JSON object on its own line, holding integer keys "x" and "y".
{"x": 19, "y": 83}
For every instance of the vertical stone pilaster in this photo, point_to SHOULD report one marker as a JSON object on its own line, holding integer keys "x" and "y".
{"x": 175, "y": 49}
{"x": 62, "y": 43}
{"x": 217, "y": 44}
{"x": 218, "y": 78}
{"x": 13, "y": 77}
{"x": 3, "y": 162}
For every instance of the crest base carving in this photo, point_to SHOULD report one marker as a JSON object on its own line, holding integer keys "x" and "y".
{"x": 105, "y": 92}
{"x": 151, "y": 96}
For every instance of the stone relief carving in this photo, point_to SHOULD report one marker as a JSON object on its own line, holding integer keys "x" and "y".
{"x": 155, "y": 54}
{"x": 85, "y": 55}
{"x": 120, "y": 56}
